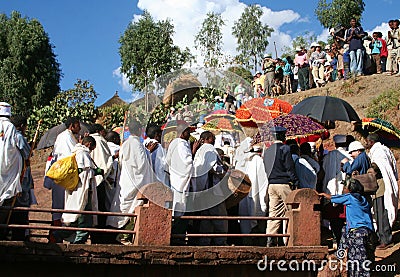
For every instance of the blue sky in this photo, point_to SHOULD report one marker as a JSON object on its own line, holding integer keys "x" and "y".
{"x": 85, "y": 33}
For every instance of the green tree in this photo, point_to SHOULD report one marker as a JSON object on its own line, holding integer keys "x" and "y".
{"x": 338, "y": 12}
{"x": 29, "y": 71}
{"x": 147, "y": 51}
{"x": 252, "y": 36}
{"x": 304, "y": 40}
{"x": 78, "y": 102}
{"x": 242, "y": 72}
{"x": 209, "y": 39}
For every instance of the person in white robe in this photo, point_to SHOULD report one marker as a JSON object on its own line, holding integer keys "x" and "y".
{"x": 11, "y": 163}
{"x": 208, "y": 171}
{"x": 180, "y": 164}
{"x": 135, "y": 172}
{"x": 103, "y": 159}
{"x": 83, "y": 197}
{"x": 385, "y": 160}
{"x": 27, "y": 197}
{"x": 114, "y": 143}
{"x": 255, "y": 203}
{"x": 158, "y": 154}
{"x": 63, "y": 146}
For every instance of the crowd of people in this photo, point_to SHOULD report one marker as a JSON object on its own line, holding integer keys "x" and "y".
{"x": 352, "y": 53}
{"x": 111, "y": 174}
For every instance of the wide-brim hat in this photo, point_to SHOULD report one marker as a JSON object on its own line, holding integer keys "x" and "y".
{"x": 5, "y": 109}
{"x": 356, "y": 145}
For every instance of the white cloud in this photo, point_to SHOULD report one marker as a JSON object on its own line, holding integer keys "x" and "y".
{"x": 123, "y": 80}
{"x": 187, "y": 17}
{"x": 383, "y": 28}
{"x": 324, "y": 35}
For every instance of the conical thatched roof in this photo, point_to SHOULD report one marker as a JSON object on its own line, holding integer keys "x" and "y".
{"x": 176, "y": 91}
{"x": 115, "y": 100}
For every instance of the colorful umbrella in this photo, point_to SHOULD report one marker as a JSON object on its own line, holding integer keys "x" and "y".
{"x": 221, "y": 124}
{"x": 219, "y": 114}
{"x": 261, "y": 110}
{"x": 298, "y": 127}
{"x": 388, "y": 133}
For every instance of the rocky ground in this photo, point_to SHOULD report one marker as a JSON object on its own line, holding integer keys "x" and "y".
{"x": 359, "y": 93}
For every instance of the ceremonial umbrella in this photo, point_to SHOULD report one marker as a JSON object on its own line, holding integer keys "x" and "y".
{"x": 298, "y": 127}
{"x": 49, "y": 137}
{"x": 324, "y": 108}
{"x": 221, "y": 124}
{"x": 388, "y": 133}
{"x": 261, "y": 110}
{"x": 219, "y": 114}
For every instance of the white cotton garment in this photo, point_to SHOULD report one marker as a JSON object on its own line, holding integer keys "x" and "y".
{"x": 10, "y": 161}
{"x": 135, "y": 172}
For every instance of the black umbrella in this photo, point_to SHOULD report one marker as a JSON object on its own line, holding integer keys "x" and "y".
{"x": 324, "y": 108}
{"x": 49, "y": 138}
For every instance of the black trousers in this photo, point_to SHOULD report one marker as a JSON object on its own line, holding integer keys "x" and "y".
{"x": 384, "y": 231}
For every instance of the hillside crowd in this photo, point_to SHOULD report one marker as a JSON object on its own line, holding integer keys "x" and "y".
{"x": 352, "y": 53}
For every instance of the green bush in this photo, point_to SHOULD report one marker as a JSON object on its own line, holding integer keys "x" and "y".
{"x": 384, "y": 102}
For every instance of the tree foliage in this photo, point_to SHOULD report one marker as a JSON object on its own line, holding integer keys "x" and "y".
{"x": 339, "y": 12}
{"x": 147, "y": 51}
{"x": 304, "y": 40}
{"x": 78, "y": 102}
{"x": 209, "y": 39}
{"x": 242, "y": 72}
{"x": 252, "y": 36}
{"x": 29, "y": 71}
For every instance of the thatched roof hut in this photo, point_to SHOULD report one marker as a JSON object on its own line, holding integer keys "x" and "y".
{"x": 176, "y": 91}
{"x": 115, "y": 100}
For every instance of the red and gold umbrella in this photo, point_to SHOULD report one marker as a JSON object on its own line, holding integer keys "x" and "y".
{"x": 221, "y": 124}
{"x": 219, "y": 114}
{"x": 261, "y": 110}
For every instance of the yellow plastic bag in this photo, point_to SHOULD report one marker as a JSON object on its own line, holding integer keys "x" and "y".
{"x": 64, "y": 172}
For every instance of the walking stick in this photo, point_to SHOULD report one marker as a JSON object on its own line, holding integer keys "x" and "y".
{"x": 123, "y": 127}
{"x": 24, "y": 167}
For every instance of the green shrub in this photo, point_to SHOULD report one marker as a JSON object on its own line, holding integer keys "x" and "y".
{"x": 384, "y": 102}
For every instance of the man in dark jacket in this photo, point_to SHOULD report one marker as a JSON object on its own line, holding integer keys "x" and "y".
{"x": 281, "y": 173}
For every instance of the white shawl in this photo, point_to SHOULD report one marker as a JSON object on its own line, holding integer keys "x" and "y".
{"x": 65, "y": 143}
{"x": 135, "y": 172}
{"x": 256, "y": 202}
{"x": 383, "y": 157}
{"x": 102, "y": 156}
{"x": 180, "y": 162}
{"x": 10, "y": 161}
{"x": 78, "y": 198}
